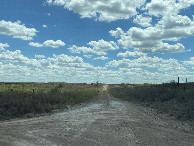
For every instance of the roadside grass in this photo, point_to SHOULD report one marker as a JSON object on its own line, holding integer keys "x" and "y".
{"x": 166, "y": 98}
{"x": 31, "y": 98}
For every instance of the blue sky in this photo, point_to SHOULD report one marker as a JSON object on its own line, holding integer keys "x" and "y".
{"x": 113, "y": 41}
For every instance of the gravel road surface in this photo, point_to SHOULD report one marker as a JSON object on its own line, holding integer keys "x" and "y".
{"x": 104, "y": 121}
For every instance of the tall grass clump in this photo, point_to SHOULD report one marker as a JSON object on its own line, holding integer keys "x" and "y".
{"x": 166, "y": 98}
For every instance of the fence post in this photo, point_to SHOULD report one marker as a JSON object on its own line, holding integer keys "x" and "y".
{"x": 178, "y": 82}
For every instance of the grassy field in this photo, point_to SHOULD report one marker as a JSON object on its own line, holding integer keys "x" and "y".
{"x": 166, "y": 98}
{"x": 20, "y": 99}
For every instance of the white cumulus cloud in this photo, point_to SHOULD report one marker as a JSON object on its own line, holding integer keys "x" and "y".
{"x": 151, "y": 39}
{"x": 171, "y": 65}
{"x": 176, "y": 22}
{"x": 88, "y": 56}
{"x": 44, "y": 26}
{"x": 189, "y": 63}
{"x": 116, "y": 33}
{"x": 143, "y": 21}
{"x": 40, "y": 56}
{"x": 35, "y": 44}
{"x": 54, "y": 44}
{"x": 17, "y": 58}
{"x": 48, "y": 43}
{"x": 101, "y": 10}
{"x": 102, "y": 45}
{"x": 167, "y": 7}
{"x": 3, "y": 46}
{"x": 129, "y": 54}
{"x": 101, "y": 58}
{"x": 162, "y": 7}
{"x": 17, "y": 67}
{"x": 97, "y": 47}
{"x": 17, "y": 30}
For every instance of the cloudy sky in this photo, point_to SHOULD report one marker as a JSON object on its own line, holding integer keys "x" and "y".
{"x": 112, "y": 41}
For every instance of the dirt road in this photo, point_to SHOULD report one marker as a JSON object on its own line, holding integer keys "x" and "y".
{"x": 105, "y": 121}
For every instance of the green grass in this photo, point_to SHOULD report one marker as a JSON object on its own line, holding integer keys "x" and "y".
{"x": 166, "y": 98}
{"x": 19, "y": 99}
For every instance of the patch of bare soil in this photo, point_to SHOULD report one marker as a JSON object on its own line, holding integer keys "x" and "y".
{"x": 104, "y": 121}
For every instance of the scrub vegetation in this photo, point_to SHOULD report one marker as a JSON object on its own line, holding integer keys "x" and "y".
{"x": 18, "y": 99}
{"x": 178, "y": 101}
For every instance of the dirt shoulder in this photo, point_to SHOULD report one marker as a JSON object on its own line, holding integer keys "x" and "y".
{"x": 103, "y": 121}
